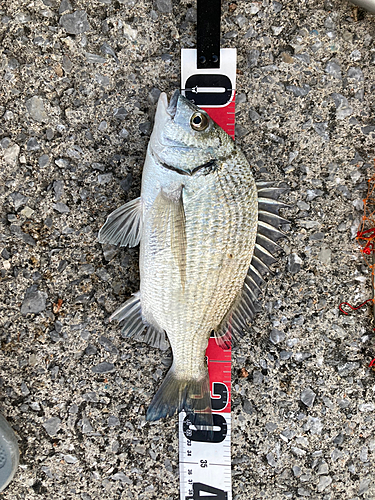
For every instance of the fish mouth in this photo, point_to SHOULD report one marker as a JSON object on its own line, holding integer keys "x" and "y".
{"x": 176, "y": 99}
{"x": 172, "y": 107}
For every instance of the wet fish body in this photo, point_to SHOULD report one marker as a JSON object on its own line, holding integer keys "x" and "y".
{"x": 202, "y": 248}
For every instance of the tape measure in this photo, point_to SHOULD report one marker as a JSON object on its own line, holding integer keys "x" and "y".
{"x": 205, "y": 466}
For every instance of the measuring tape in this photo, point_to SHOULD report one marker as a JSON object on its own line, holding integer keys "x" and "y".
{"x": 205, "y": 466}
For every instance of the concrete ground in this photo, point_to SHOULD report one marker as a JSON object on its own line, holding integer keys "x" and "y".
{"x": 79, "y": 83}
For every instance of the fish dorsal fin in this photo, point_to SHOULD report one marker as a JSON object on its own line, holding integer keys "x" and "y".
{"x": 123, "y": 226}
{"x": 171, "y": 213}
{"x": 132, "y": 325}
{"x": 268, "y": 232}
{"x": 246, "y": 305}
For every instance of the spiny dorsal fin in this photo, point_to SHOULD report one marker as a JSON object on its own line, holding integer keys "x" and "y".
{"x": 123, "y": 226}
{"x": 235, "y": 323}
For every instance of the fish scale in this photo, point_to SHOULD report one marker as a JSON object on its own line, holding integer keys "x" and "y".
{"x": 197, "y": 223}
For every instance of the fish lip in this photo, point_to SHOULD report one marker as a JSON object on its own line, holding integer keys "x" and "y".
{"x": 172, "y": 107}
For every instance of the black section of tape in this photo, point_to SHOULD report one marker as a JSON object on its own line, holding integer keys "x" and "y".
{"x": 208, "y": 33}
{"x": 193, "y": 83}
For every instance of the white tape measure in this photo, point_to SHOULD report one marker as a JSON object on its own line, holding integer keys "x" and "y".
{"x": 205, "y": 466}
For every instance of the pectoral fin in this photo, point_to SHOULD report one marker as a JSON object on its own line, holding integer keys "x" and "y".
{"x": 171, "y": 214}
{"x": 123, "y": 226}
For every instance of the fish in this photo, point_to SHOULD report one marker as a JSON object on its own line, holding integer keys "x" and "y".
{"x": 207, "y": 234}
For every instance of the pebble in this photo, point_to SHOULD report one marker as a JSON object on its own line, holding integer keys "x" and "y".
{"x": 105, "y": 178}
{"x": 18, "y": 200}
{"x": 32, "y": 144}
{"x": 254, "y": 8}
{"x": 299, "y": 91}
{"x": 333, "y": 68}
{"x": 44, "y": 161}
{"x": 153, "y": 95}
{"x": 34, "y": 301}
{"x": 90, "y": 350}
{"x": 60, "y": 207}
{"x": 355, "y": 74}
{"x": 323, "y": 468}
{"x": 108, "y": 345}
{"x": 52, "y": 426}
{"x": 145, "y": 128}
{"x": 58, "y": 187}
{"x": 5, "y": 142}
{"x": 308, "y": 397}
{"x": 368, "y": 129}
{"x": 253, "y": 115}
{"x": 127, "y": 182}
{"x": 35, "y": 107}
{"x": 298, "y": 452}
{"x": 86, "y": 426}
{"x": 240, "y": 131}
{"x": 250, "y": 33}
{"x": 252, "y": 58}
{"x": 164, "y": 6}
{"x": 296, "y": 471}
{"x": 107, "y": 49}
{"x": 70, "y": 459}
{"x": 91, "y": 396}
{"x": 364, "y": 485}
{"x": 75, "y": 23}
{"x": 191, "y": 15}
{"x": 314, "y": 425}
{"x": 124, "y": 134}
{"x": 27, "y": 212}
{"x": 11, "y": 154}
{"x": 65, "y": 6}
{"x": 8, "y": 115}
{"x": 367, "y": 407}
{"x": 248, "y": 407}
{"x": 5, "y": 254}
{"x": 120, "y": 113}
{"x": 294, "y": 263}
{"x": 343, "y": 109}
{"x": 120, "y": 476}
{"x": 322, "y": 130}
{"x": 130, "y": 33}
{"x": 271, "y": 460}
{"x": 113, "y": 421}
{"x": 103, "y": 368}
{"x": 105, "y": 82}
{"x": 276, "y": 336}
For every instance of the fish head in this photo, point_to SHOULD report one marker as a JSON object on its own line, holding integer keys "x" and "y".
{"x": 184, "y": 137}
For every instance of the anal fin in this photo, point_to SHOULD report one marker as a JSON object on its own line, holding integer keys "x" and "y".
{"x": 132, "y": 324}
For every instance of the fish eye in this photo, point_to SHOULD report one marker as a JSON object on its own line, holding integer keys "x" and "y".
{"x": 199, "y": 121}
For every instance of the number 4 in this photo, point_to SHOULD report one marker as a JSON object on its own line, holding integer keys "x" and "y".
{"x": 213, "y": 493}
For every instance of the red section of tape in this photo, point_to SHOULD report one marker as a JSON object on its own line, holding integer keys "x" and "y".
{"x": 224, "y": 117}
{"x": 218, "y": 359}
{"x": 219, "y": 369}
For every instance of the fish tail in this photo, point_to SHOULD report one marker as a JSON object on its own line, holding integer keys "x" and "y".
{"x": 176, "y": 394}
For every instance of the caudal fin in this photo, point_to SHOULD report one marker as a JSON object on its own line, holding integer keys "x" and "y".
{"x": 176, "y": 394}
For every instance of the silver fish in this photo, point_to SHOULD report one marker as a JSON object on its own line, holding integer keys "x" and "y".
{"x": 206, "y": 234}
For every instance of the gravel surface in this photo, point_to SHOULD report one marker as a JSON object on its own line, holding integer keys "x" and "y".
{"x": 79, "y": 83}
